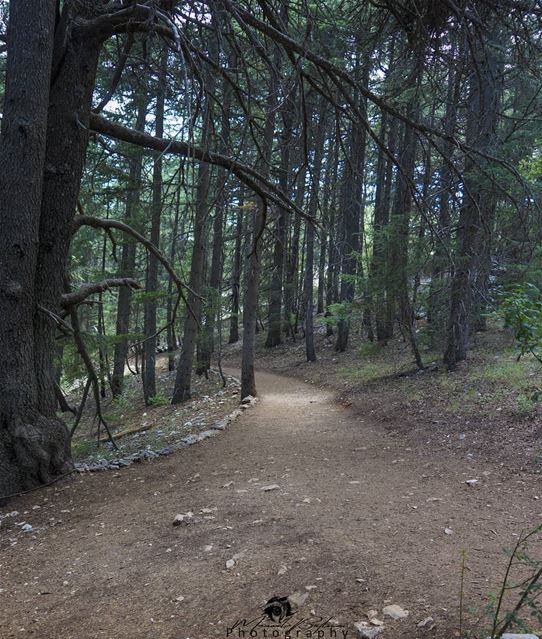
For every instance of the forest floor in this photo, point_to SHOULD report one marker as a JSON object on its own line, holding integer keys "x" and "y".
{"x": 303, "y": 495}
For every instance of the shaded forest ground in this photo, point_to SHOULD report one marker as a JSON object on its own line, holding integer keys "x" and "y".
{"x": 488, "y": 408}
{"x": 365, "y": 513}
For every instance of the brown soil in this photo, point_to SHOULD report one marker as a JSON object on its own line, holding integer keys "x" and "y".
{"x": 359, "y": 519}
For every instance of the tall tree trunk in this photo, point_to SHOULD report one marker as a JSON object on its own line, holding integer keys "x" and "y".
{"x": 291, "y": 284}
{"x": 383, "y": 324}
{"x": 350, "y": 241}
{"x": 398, "y": 284}
{"x": 128, "y": 256}
{"x": 183, "y": 380}
{"x": 75, "y": 63}
{"x": 250, "y": 300}
{"x": 438, "y": 299}
{"x": 171, "y": 335}
{"x": 212, "y": 305}
{"x": 478, "y": 207}
{"x": 274, "y": 333}
{"x": 149, "y": 307}
{"x": 34, "y": 445}
{"x": 324, "y": 239}
{"x": 318, "y": 145}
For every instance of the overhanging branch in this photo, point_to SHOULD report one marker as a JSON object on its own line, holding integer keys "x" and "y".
{"x": 246, "y": 174}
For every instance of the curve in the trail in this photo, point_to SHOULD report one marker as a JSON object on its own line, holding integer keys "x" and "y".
{"x": 354, "y": 521}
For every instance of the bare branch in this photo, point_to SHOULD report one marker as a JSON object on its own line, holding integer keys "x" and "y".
{"x": 73, "y": 299}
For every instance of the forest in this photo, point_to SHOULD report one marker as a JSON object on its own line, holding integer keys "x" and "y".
{"x": 275, "y": 208}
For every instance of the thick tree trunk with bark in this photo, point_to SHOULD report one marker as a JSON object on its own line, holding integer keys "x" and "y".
{"x": 478, "y": 207}
{"x": 34, "y": 445}
{"x": 67, "y": 138}
{"x": 250, "y": 309}
{"x": 438, "y": 300}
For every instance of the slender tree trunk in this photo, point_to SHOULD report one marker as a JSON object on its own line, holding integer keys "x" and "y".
{"x": 250, "y": 300}
{"x": 332, "y": 264}
{"x": 183, "y": 380}
{"x": 213, "y": 305}
{"x": 383, "y": 323}
{"x": 171, "y": 335}
{"x": 291, "y": 285}
{"x": 149, "y": 306}
{"x": 438, "y": 298}
{"x": 274, "y": 333}
{"x": 318, "y": 145}
{"x": 397, "y": 284}
{"x": 320, "y": 296}
{"x": 236, "y": 275}
{"x": 128, "y": 257}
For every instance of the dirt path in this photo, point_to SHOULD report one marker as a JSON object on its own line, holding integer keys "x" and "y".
{"x": 357, "y": 518}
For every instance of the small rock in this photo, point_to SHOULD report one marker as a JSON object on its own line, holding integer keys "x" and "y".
{"x": 298, "y": 598}
{"x": 282, "y": 570}
{"x": 247, "y": 400}
{"x": 395, "y": 612}
{"x": 230, "y": 564}
{"x": 182, "y": 519}
{"x": 269, "y": 488}
{"x": 366, "y": 631}
{"x": 228, "y": 484}
{"x": 425, "y": 622}
{"x": 448, "y": 531}
{"x": 27, "y": 528}
{"x": 179, "y": 598}
{"x": 472, "y": 482}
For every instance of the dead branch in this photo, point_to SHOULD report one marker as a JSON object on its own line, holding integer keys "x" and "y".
{"x": 62, "y": 401}
{"x": 73, "y": 299}
{"x": 93, "y": 377}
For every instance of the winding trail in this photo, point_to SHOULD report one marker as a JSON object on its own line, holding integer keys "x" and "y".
{"x": 357, "y": 518}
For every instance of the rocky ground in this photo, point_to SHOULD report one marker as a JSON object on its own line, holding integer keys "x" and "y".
{"x": 145, "y": 432}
